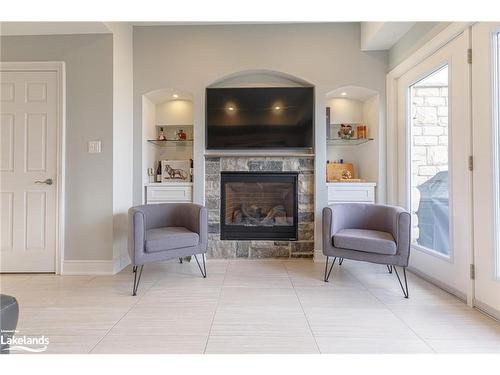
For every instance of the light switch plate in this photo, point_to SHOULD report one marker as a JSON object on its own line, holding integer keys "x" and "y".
{"x": 94, "y": 147}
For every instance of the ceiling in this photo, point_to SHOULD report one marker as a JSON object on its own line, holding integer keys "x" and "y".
{"x": 52, "y": 28}
{"x": 379, "y": 36}
{"x": 374, "y": 35}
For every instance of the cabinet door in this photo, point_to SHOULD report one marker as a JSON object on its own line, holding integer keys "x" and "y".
{"x": 338, "y": 194}
{"x": 166, "y": 194}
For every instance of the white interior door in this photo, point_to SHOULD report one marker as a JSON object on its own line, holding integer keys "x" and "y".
{"x": 433, "y": 149}
{"x": 28, "y": 131}
{"x": 486, "y": 138}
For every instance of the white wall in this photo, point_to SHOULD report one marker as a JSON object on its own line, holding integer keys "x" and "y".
{"x": 174, "y": 112}
{"x": 193, "y": 57}
{"x": 345, "y": 111}
{"x": 369, "y": 153}
{"x": 122, "y": 139}
{"x": 89, "y": 116}
{"x": 149, "y": 132}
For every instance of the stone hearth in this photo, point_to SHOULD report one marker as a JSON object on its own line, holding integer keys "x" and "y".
{"x": 302, "y": 248}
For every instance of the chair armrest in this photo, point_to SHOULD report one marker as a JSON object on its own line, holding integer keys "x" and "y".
{"x": 402, "y": 232}
{"x": 195, "y": 218}
{"x": 136, "y": 232}
{"x": 333, "y": 221}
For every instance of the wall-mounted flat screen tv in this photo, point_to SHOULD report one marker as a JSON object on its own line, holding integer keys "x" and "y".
{"x": 259, "y": 117}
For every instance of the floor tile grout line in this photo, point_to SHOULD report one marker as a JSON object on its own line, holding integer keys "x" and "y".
{"x": 119, "y": 320}
{"x": 361, "y": 279}
{"x": 302, "y": 308}
{"x": 40, "y": 309}
{"x": 393, "y": 313}
{"x": 216, "y": 307}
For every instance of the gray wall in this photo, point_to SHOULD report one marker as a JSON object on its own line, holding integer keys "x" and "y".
{"x": 89, "y": 116}
{"x": 192, "y": 57}
{"x": 415, "y": 38}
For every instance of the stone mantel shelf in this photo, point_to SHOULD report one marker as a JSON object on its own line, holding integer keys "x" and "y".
{"x": 222, "y": 153}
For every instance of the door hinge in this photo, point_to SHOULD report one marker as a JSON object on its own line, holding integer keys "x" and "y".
{"x": 469, "y": 56}
{"x": 471, "y": 163}
{"x": 472, "y": 272}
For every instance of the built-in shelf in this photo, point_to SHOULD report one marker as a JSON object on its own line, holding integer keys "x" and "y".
{"x": 170, "y": 142}
{"x": 174, "y": 126}
{"x": 348, "y": 123}
{"x": 347, "y": 142}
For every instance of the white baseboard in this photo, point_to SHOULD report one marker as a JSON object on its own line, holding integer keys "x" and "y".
{"x": 488, "y": 310}
{"x": 457, "y": 293}
{"x": 88, "y": 267}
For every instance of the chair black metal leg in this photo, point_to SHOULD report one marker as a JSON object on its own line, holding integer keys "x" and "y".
{"x": 137, "y": 279}
{"x": 327, "y": 274}
{"x": 389, "y": 268}
{"x": 204, "y": 270}
{"x": 180, "y": 260}
{"x": 341, "y": 260}
{"x": 405, "y": 288}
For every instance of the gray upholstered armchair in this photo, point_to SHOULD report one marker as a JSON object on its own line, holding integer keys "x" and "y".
{"x": 367, "y": 232}
{"x": 9, "y": 315}
{"x": 166, "y": 231}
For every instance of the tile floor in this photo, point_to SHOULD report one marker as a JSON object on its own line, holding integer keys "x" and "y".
{"x": 267, "y": 306}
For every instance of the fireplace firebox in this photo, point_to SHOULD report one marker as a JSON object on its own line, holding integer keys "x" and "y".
{"x": 258, "y": 206}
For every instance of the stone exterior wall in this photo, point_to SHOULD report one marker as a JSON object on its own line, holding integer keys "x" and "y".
{"x": 429, "y": 139}
{"x": 303, "y": 248}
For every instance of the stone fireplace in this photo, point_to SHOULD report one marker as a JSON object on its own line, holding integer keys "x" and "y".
{"x": 260, "y": 207}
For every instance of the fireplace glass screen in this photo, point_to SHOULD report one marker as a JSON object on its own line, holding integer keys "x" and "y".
{"x": 259, "y": 206}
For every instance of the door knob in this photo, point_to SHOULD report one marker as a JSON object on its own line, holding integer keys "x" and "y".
{"x": 48, "y": 181}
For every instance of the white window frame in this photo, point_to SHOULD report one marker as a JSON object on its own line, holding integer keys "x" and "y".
{"x": 450, "y": 256}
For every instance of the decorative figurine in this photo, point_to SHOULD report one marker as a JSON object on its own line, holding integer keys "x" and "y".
{"x": 161, "y": 135}
{"x": 181, "y": 135}
{"x": 346, "y": 132}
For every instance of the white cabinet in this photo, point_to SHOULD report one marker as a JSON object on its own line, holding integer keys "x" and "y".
{"x": 351, "y": 192}
{"x": 169, "y": 193}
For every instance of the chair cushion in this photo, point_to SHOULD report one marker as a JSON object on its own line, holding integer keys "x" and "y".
{"x": 370, "y": 241}
{"x": 170, "y": 238}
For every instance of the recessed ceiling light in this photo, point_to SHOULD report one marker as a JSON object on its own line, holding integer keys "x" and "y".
{"x": 277, "y": 108}
{"x": 343, "y": 93}
{"x": 230, "y": 108}
{"x": 175, "y": 96}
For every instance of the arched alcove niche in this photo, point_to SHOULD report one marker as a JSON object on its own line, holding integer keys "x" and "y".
{"x": 260, "y": 78}
{"x": 170, "y": 110}
{"x": 356, "y": 105}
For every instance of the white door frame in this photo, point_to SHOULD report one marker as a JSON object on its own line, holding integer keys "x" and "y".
{"x": 395, "y": 167}
{"x": 486, "y": 158}
{"x": 59, "y": 67}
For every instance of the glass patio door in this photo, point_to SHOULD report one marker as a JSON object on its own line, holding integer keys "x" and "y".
{"x": 486, "y": 138}
{"x": 434, "y": 180}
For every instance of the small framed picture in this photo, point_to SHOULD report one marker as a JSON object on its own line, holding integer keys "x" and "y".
{"x": 175, "y": 171}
